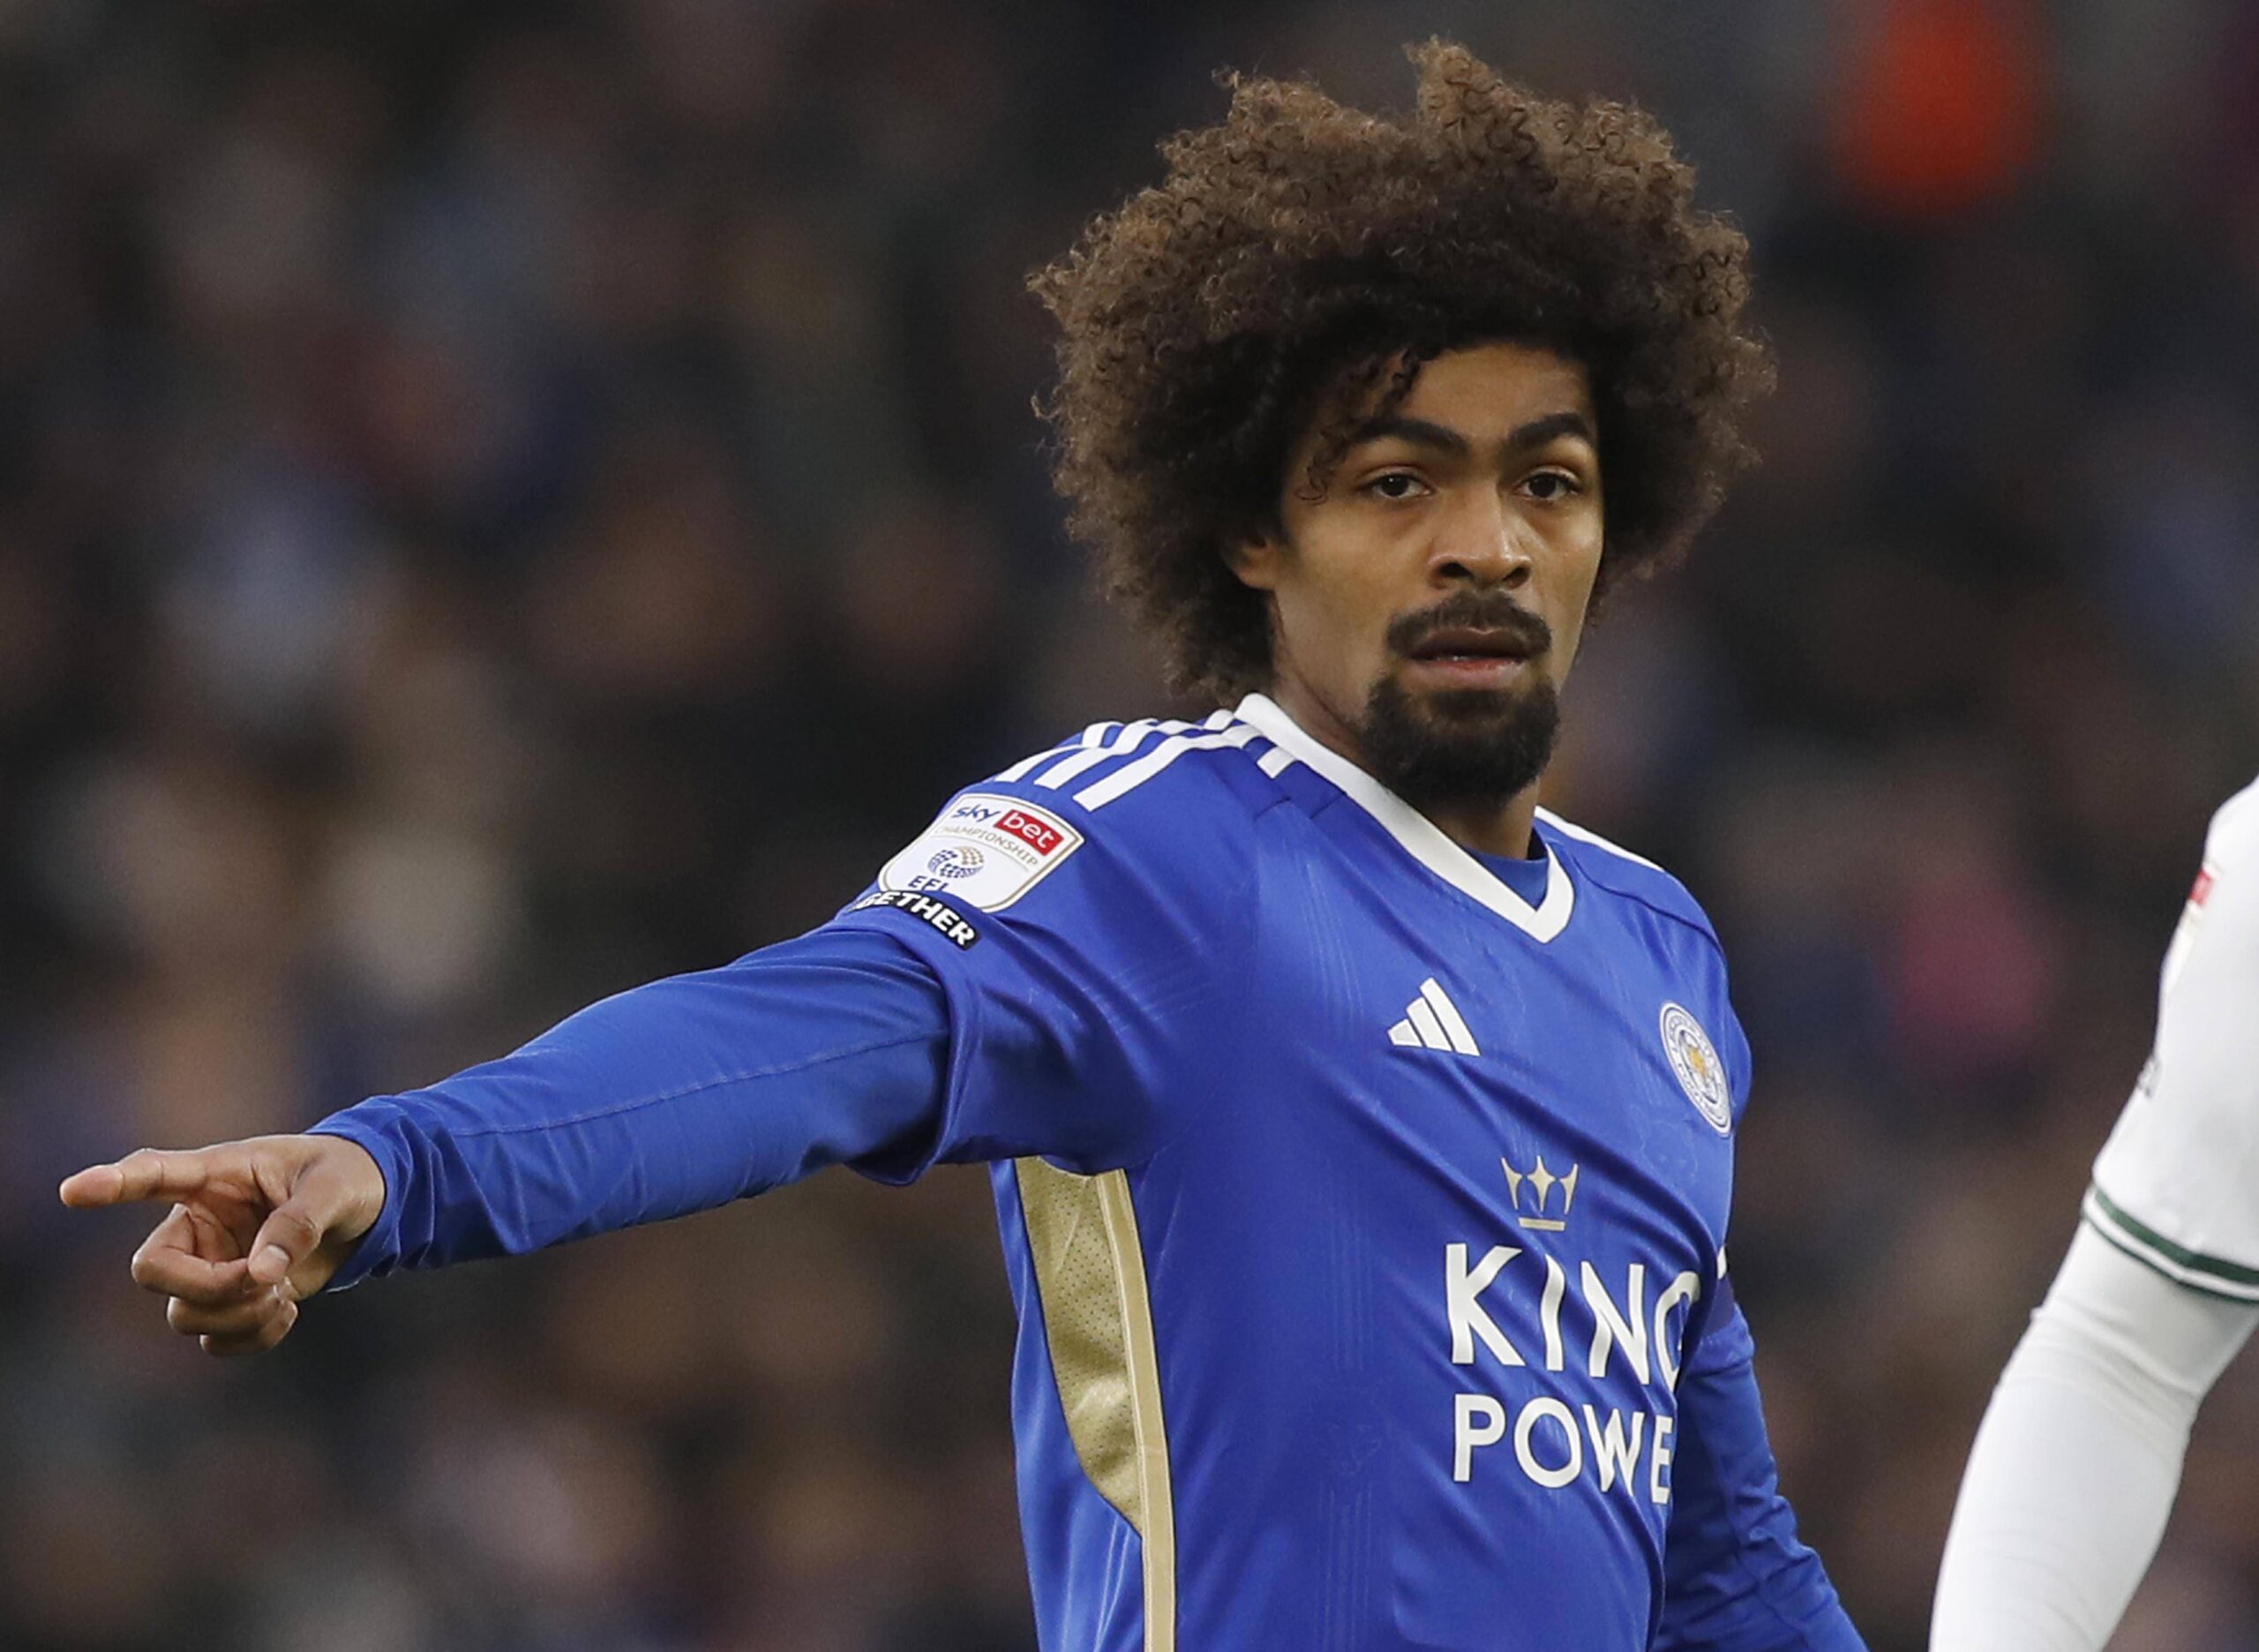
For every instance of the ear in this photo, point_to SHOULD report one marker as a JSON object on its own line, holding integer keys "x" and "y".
{"x": 1257, "y": 561}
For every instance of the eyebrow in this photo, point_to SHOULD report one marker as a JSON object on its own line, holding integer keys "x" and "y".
{"x": 1426, "y": 433}
{"x": 1553, "y": 426}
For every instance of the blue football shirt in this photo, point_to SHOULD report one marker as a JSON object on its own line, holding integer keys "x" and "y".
{"x": 1366, "y": 1214}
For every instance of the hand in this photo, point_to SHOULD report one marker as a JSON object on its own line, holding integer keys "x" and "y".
{"x": 257, "y": 1226}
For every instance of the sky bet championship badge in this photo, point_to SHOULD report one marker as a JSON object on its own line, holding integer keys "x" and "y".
{"x": 1701, "y": 1073}
{"x": 985, "y": 852}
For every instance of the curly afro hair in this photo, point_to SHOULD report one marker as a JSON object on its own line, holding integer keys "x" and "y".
{"x": 1302, "y": 257}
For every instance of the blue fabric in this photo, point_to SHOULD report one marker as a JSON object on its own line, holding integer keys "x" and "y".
{"x": 1737, "y": 1576}
{"x": 1526, "y": 877}
{"x": 1420, "y": 1388}
{"x": 671, "y": 1098}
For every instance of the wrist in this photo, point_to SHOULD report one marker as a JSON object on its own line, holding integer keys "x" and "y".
{"x": 375, "y": 1171}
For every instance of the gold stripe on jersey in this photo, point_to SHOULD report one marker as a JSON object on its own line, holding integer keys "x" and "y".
{"x": 1089, "y": 1274}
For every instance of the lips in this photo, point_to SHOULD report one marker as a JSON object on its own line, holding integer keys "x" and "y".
{"x": 1471, "y": 643}
{"x": 1471, "y": 639}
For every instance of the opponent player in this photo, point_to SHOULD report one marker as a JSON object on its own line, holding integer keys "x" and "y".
{"x": 1364, "y": 1135}
{"x": 2076, "y": 1464}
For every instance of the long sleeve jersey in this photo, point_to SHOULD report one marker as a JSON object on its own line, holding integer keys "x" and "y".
{"x": 1364, "y": 1202}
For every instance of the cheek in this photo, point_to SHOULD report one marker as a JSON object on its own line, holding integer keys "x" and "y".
{"x": 1342, "y": 591}
{"x": 1579, "y": 564}
{"x": 1341, "y": 631}
{"x": 1569, "y": 595}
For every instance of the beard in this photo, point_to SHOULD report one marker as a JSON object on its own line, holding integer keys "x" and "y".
{"x": 1462, "y": 747}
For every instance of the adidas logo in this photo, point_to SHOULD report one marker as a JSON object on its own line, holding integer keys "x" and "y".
{"x": 1433, "y": 1022}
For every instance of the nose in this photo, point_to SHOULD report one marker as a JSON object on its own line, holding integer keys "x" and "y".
{"x": 1482, "y": 542}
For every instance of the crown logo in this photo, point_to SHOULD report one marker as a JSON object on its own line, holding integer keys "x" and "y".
{"x": 1542, "y": 1182}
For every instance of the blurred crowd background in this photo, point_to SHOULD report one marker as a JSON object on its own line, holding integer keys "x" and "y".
{"x": 500, "y": 501}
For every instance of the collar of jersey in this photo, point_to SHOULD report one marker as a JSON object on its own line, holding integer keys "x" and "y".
{"x": 1418, "y": 835}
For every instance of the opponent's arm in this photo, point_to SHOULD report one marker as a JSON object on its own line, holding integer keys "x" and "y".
{"x": 2076, "y": 1464}
{"x": 1736, "y": 1578}
{"x": 675, "y": 1097}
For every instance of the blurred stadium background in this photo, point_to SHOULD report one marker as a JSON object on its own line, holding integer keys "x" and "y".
{"x": 501, "y": 501}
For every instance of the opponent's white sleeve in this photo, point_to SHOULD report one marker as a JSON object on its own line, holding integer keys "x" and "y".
{"x": 2075, "y": 1465}
{"x": 2177, "y": 1184}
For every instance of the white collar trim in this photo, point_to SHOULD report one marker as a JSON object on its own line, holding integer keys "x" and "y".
{"x": 1419, "y": 837}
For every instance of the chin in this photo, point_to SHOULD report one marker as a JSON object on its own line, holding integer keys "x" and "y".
{"x": 1460, "y": 746}
{"x": 1461, "y": 708}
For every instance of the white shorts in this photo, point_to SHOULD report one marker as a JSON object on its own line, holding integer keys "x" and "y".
{"x": 2177, "y": 1186}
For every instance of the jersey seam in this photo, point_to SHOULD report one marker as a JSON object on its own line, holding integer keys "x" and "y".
{"x": 1271, "y": 803}
{"x": 1699, "y": 926}
{"x": 776, "y": 1071}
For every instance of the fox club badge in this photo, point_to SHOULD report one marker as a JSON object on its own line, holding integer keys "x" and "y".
{"x": 1694, "y": 1059}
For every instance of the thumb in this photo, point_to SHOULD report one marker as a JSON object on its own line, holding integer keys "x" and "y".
{"x": 293, "y": 1230}
{"x": 326, "y": 1198}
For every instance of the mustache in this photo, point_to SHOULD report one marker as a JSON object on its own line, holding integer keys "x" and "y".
{"x": 1482, "y": 610}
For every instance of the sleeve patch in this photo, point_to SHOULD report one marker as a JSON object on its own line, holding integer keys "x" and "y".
{"x": 952, "y": 924}
{"x": 2177, "y": 952}
{"x": 985, "y": 852}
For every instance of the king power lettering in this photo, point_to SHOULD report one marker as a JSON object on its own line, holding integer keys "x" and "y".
{"x": 1547, "y": 1438}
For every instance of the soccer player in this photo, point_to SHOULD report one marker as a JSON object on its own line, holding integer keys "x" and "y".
{"x": 1362, "y": 1134}
{"x": 2075, "y": 1465}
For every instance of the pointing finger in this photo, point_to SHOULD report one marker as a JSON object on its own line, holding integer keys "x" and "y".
{"x": 147, "y": 1174}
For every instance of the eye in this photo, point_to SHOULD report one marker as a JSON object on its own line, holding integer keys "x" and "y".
{"x": 1394, "y": 485}
{"x": 1546, "y": 486}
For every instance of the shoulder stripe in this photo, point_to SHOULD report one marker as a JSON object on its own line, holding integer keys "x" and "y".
{"x": 2177, "y": 1262}
{"x": 1132, "y": 735}
{"x": 1020, "y": 771}
{"x": 1092, "y": 736}
{"x": 1104, "y": 743}
{"x": 1569, "y": 828}
{"x": 1131, "y": 776}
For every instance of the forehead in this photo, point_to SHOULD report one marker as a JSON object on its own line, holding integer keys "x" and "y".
{"x": 1488, "y": 389}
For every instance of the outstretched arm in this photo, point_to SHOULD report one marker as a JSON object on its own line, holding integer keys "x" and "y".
{"x": 911, "y": 1029}
{"x": 2076, "y": 1467}
{"x": 668, "y": 1098}
{"x": 1736, "y": 1578}
{"x": 675, "y": 1097}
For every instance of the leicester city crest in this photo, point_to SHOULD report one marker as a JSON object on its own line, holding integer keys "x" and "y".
{"x": 1695, "y": 1059}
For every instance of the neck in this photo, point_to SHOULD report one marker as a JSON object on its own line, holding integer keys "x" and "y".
{"x": 1487, "y": 825}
